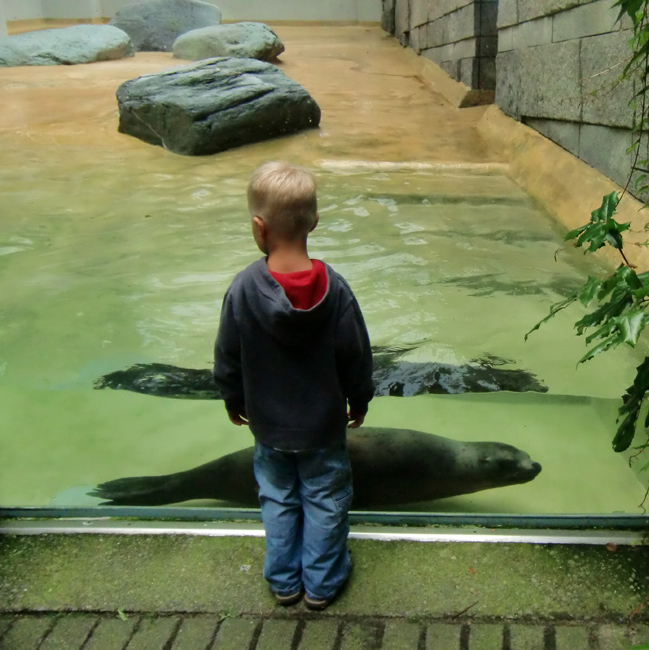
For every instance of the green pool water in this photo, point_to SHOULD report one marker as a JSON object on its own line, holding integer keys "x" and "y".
{"x": 106, "y": 262}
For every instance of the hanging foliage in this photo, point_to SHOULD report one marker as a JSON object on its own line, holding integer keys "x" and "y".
{"x": 618, "y": 303}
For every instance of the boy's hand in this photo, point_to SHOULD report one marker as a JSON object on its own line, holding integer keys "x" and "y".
{"x": 355, "y": 420}
{"x": 237, "y": 417}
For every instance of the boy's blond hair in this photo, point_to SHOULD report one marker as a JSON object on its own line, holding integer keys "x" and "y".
{"x": 284, "y": 196}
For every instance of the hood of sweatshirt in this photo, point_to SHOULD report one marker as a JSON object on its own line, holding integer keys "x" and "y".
{"x": 269, "y": 305}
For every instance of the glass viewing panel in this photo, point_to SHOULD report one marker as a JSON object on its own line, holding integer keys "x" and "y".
{"x": 110, "y": 265}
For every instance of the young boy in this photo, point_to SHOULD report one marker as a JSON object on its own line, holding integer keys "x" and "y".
{"x": 293, "y": 361}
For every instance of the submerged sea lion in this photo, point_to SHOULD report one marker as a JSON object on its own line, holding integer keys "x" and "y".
{"x": 390, "y": 467}
{"x": 392, "y": 376}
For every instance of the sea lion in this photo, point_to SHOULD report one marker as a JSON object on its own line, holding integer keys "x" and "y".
{"x": 390, "y": 467}
{"x": 392, "y": 376}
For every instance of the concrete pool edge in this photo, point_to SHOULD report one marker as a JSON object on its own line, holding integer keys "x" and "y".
{"x": 223, "y": 575}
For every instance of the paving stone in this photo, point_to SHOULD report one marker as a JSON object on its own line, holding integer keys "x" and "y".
{"x": 486, "y": 637}
{"x": 527, "y": 637}
{"x": 69, "y": 632}
{"x": 26, "y": 633}
{"x": 276, "y": 634}
{"x": 5, "y": 624}
{"x": 613, "y": 637}
{"x": 319, "y": 635}
{"x": 112, "y": 634}
{"x": 195, "y": 633}
{"x": 401, "y": 635}
{"x": 571, "y": 638}
{"x": 234, "y": 634}
{"x": 153, "y": 633}
{"x": 639, "y": 634}
{"x": 443, "y": 636}
{"x": 361, "y": 636}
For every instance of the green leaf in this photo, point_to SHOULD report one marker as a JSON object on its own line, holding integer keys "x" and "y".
{"x": 631, "y": 325}
{"x": 602, "y": 229}
{"x": 557, "y": 307}
{"x": 642, "y": 646}
{"x": 588, "y": 292}
{"x": 614, "y": 239}
{"x": 630, "y": 410}
{"x": 598, "y": 349}
{"x": 608, "y": 207}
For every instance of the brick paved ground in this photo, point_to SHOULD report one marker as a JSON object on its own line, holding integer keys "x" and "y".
{"x": 75, "y": 631}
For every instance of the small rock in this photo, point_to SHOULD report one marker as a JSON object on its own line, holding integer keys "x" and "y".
{"x": 241, "y": 40}
{"x": 65, "y": 46}
{"x": 154, "y": 25}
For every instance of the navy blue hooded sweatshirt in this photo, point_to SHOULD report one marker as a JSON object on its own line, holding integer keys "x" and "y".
{"x": 292, "y": 371}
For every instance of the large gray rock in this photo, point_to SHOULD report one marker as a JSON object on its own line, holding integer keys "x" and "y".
{"x": 155, "y": 25}
{"x": 242, "y": 40}
{"x": 213, "y": 105}
{"x": 69, "y": 45}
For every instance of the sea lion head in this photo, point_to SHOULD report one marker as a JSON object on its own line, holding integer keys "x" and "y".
{"x": 501, "y": 464}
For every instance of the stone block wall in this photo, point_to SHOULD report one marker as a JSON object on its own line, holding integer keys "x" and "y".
{"x": 558, "y": 65}
{"x": 459, "y": 35}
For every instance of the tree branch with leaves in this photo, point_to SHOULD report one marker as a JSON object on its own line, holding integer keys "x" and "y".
{"x": 618, "y": 303}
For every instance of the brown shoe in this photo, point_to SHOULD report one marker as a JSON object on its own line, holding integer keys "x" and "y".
{"x": 317, "y": 603}
{"x": 290, "y": 599}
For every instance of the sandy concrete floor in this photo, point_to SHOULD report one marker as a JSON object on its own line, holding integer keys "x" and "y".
{"x": 371, "y": 98}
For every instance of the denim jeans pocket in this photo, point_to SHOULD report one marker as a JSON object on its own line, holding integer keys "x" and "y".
{"x": 343, "y": 500}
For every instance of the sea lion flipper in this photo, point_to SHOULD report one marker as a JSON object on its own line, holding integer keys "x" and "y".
{"x": 137, "y": 491}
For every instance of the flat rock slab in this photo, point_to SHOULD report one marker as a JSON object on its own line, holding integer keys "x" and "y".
{"x": 242, "y": 40}
{"x": 213, "y": 105}
{"x": 154, "y": 26}
{"x": 65, "y": 46}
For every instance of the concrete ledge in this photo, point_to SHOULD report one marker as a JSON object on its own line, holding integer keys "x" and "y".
{"x": 565, "y": 186}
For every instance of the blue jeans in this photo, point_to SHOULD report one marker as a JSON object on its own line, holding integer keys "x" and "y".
{"x": 305, "y": 499}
